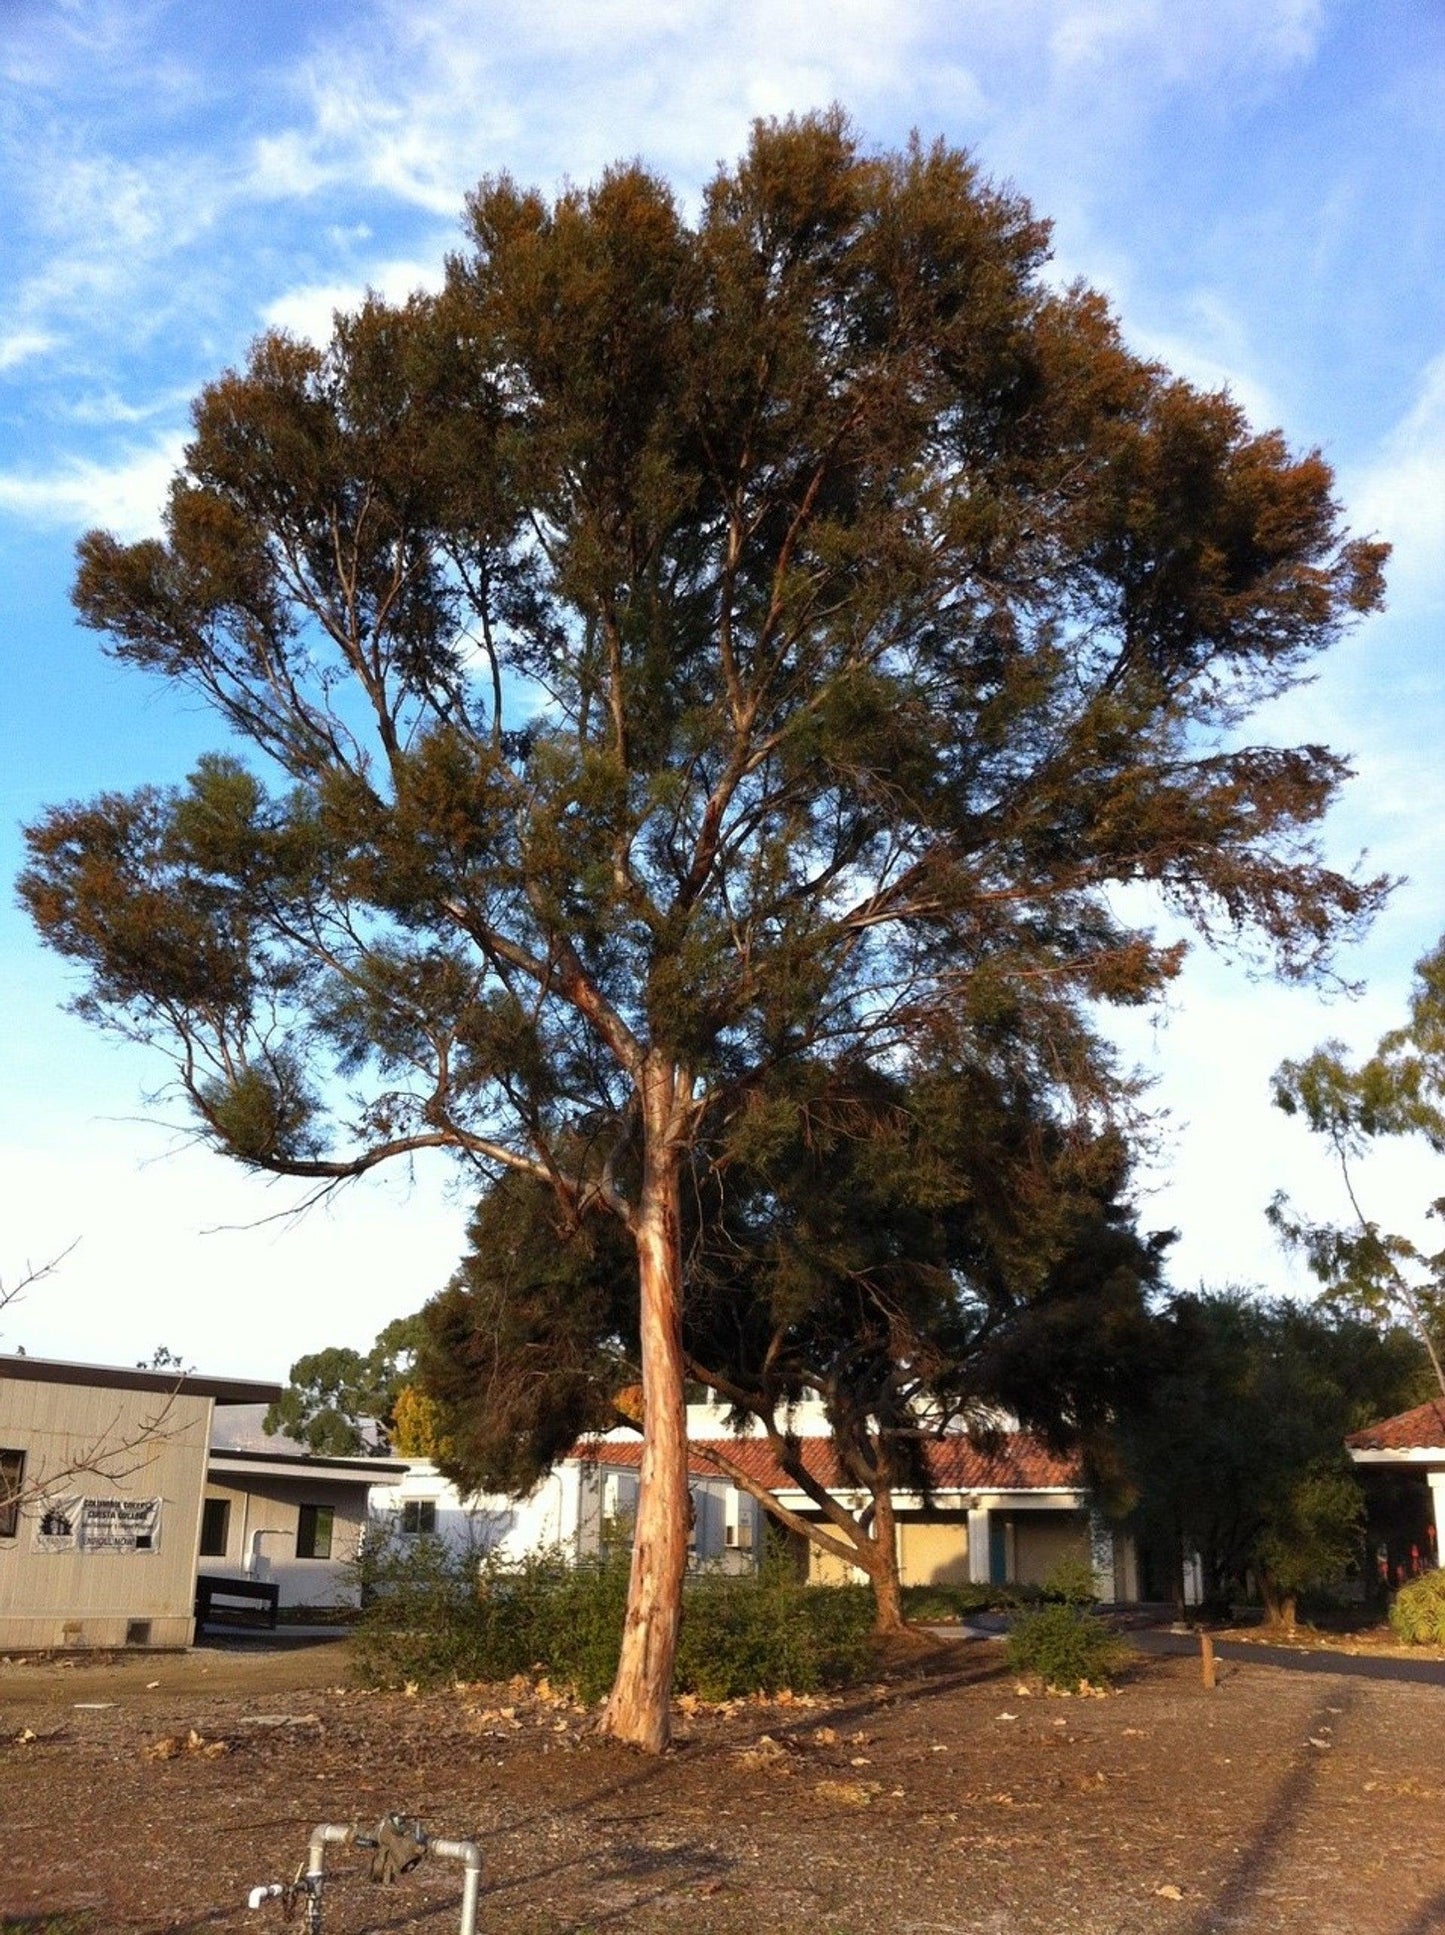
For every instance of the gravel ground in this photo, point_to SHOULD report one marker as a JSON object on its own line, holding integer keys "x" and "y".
{"x": 152, "y": 1795}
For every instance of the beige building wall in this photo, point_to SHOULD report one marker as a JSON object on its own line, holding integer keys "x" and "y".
{"x": 1042, "y": 1539}
{"x": 933, "y": 1552}
{"x": 105, "y": 1444}
{"x": 825, "y": 1570}
{"x": 262, "y": 1527}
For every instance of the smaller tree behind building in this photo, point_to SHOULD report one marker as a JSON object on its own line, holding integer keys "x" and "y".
{"x": 1237, "y": 1451}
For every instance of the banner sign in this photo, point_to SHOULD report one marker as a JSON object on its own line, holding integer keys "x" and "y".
{"x": 58, "y": 1527}
{"x": 120, "y": 1524}
{"x": 99, "y": 1525}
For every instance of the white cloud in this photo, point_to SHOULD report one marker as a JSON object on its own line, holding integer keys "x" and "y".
{"x": 1400, "y": 496}
{"x": 108, "y": 407}
{"x": 23, "y": 345}
{"x": 1179, "y": 41}
{"x": 308, "y": 311}
{"x": 437, "y": 95}
{"x": 1209, "y": 345}
{"x": 1225, "y": 1150}
{"x": 87, "y": 38}
{"x": 125, "y": 496}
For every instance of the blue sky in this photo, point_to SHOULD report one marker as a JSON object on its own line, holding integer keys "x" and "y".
{"x": 1259, "y": 186}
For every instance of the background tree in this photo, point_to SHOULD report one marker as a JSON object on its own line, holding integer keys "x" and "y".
{"x": 685, "y": 648}
{"x": 918, "y": 1255}
{"x": 1397, "y": 1091}
{"x": 1237, "y": 1451}
{"x": 530, "y": 1345}
{"x": 922, "y": 1256}
{"x": 342, "y": 1402}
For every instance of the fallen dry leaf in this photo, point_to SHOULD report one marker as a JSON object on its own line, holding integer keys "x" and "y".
{"x": 848, "y": 1793}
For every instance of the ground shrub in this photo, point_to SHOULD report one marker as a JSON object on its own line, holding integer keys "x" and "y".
{"x": 433, "y": 1616}
{"x": 760, "y": 1633}
{"x": 1417, "y": 1613}
{"x": 1071, "y": 1581}
{"x": 1064, "y": 1643}
{"x": 931, "y": 1605}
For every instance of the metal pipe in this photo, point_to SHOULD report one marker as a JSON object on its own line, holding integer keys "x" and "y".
{"x": 328, "y": 1832}
{"x": 470, "y": 1856}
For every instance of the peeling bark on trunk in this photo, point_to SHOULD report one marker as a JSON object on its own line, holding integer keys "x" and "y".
{"x": 638, "y": 1709}
{"x": 884, "y": 1573}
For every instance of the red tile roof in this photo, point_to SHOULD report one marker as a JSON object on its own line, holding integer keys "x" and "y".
{"x": 1422, "y": 1429}
{"x": 1016, "y": 1463}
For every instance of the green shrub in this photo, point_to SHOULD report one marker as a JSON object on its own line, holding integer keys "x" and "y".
{"x": 1063, "y": 1644}
{"x": 1071, "y": 1581}
{"x": 760, "y": 1633}
{"x": 1418, "y": 1611}
{"x": 432, "y": 1616}
{"x": 932, "y": 1605}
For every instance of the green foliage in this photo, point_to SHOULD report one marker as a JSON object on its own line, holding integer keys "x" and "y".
{"x": 854, "y": 613}
{"x": 1417, "y": 1612}
{"x": 901, "y": 1249}
{"x": 432, "y": 1616}
{"x": 1236, "y": 1451}
{"x": 1314, "y": 1535}
{"x": 1071, "y": 1582}
{"x": 527, "y": 1347}
{"x": 1397, "y": 1091}
{"x": 760, "y": 1635}
{"x": 936, "y": 1243}
{"x": 937, "y": 1605}
{"x": 337, "y": 1399}
{"x": 1065, "y": 1644}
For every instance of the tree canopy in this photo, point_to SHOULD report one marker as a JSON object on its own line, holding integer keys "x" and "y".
{"x": 919, "y": 1257}
{"x": 681, "y": 647}
{"x": 1397, "y": 1091}
{"x": 1236, "y": 1449}
{"x": 340, "y": 1401}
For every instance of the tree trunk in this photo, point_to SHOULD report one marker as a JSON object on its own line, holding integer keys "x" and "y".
{"x": 638, "y": 1709}
{"x": 1281, "y": 1608}
{"x": 887, "y": 1584}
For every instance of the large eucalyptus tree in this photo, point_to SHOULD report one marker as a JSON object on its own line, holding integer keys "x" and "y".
{"x": 681, "y": 646}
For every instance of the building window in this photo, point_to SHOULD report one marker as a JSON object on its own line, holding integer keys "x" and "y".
{"x": 215, "y": 1527}
{"x": 738, "y": 1529}
{"x": 313, "y": 1531}
{"x": 418, "y": 1517}
{"x": 12, "y": 1480}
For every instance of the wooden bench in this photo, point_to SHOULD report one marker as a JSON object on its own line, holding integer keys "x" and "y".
{"x": 263, "y": 1595}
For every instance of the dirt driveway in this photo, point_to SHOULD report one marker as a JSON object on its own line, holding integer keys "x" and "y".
{"x": 942, "y": 1800}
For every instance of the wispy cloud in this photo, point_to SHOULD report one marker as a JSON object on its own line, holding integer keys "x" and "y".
{"x": 126, "y": 496}
{"x": 1400, "y": 494}
{"x": 23, "y": 345}
{"x": 309, "y": 311}
{"x": 1093, "y": 35}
